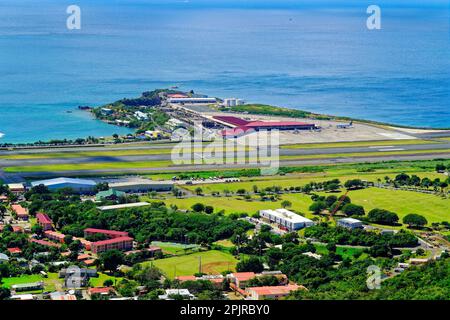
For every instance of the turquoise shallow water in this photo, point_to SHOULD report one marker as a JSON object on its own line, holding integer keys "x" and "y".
{"x": 314, "y": 58}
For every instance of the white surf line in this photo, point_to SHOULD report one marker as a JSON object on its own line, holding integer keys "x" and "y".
{"x": 394, "y": 149}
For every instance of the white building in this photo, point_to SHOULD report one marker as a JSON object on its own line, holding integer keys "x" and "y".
{"x": 106, "y": 111}
{"x": 286, "y": 219}
{"x": 124, "y": 206}
{"x": 350, "y": 223}
{"x": 173, "y": 123}
{"x": 3, "y": 258}
{"x": 78, "y": 185}
{"x": 16, "y": 187}
{"x": 232, "y": 102}
{"x": 176, "y": 292}
{"x": 141, "y": 115}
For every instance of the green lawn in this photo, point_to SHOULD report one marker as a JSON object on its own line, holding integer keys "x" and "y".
{"x": 89, "y": 166}
{"x": 365, "y": 154}
{"x": 50, "y": 283}
{"x": 344, "y": 252}
{"x": 175, "y": 248}
{"x": 102, "y": 277}
{"x": 106, "y": 153}
{"x": 295, "y": 180}
{"x": 213, "y": 262}
{"x": 433, "y": 207}
{"x": 8, "y": 282}
{"x": 239, "y": 205}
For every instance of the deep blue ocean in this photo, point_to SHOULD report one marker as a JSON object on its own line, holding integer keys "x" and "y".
{"x": 312, "y": 55}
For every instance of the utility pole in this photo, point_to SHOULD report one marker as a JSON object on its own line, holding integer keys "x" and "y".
{"x": 200, "y": 264}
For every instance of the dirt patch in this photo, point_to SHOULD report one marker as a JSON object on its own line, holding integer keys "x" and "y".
{"x": 216, "y": 267}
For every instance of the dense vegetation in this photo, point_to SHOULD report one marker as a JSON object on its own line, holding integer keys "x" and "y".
{"x": 429, "y": 282}
{"x": 326, "y": 233}
{"x": 145, "y": 224}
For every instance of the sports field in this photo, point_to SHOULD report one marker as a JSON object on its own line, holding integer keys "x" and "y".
{"x": 175, "y": 248}
{"x": 212, "y": 262}
{"x": 51, "y": 283}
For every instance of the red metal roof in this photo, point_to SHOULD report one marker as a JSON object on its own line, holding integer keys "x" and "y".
{"x": 268, "y": 124}
{"x": 177, "y": 95}
{"x": 19, "y": 210}
{"x": 14, "y": 250}
{"x": 43, "y": 218}
{"x": 17, "y": 229}
{"x": 275, "y": 290}
{"x": 111, "y": 241}
{"x": 100, "y": 290}
{"x": 83, "y": 257}
{"x": 55, "y": 234}
{"x": 235, "y": 121}
{"x": 186, "y": 278}
{"x": 244, "y": 276}
{"x": 45, "y": 243}
{"x": 107, "y": 232}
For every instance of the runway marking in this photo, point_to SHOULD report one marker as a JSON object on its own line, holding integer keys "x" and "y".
{"x": 395, "y": 135}
{"x": 394, "y": 149}
{"x": 378, "y": 147}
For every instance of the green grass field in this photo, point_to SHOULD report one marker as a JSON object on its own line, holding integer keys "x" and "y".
{"x": 175, "y": 248}
{"x": 106, "y": 153}
{"x": 294, "y": 180}
{"x": 346, "y": 252}
{"x": 239, "y": 205}
{"x": 213, "y": 262}
{"x": 8, "y": 282}
{"x": 366, "y": 154}
{"x": 89, "y": 166}
{"x": 98, "y": 282}
{"x": 432, "y": 207}
{"x": 50, "y": 283}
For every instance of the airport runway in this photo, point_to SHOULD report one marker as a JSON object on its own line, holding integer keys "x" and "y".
{"x": 17, "y": 177}
{"x": 167, "y": 156}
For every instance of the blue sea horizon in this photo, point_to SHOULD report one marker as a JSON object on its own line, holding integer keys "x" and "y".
{"x": 315, "y": 58}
